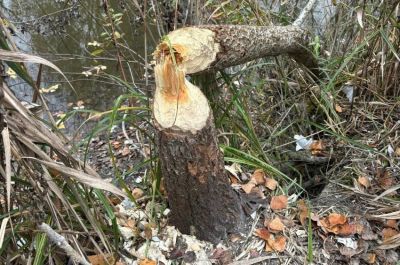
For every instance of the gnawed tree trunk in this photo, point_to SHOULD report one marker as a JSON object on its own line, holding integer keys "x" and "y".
{"x": 199, "y": 192}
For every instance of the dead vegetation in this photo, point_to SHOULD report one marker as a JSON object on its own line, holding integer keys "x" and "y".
{"x": 335, "y": 201}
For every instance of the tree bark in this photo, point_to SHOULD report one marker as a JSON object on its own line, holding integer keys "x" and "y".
{"x": 216, "y": 47}
{"x": 199, "y": 193}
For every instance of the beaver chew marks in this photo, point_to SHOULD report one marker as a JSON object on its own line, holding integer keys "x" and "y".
{"x": 178, "y": 104}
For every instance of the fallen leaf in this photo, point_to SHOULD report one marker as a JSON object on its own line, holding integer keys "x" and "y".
{"x": 370, "y": 258}
{"x": 258, "y": 176}
{"x": 262, "y": 233}
{"x": 271, "y": 183}
{"x": 397, "y": 151}
{"x": 100, "y": 259}
{"x": 248, "y": 186}
{"x": 303, "y": 211}
{"x": 137, "y": 193}
{"x": 279, "y": 202}
{"x": 317, "y": 147}
{"x": 276, "y": 225}
{"x": 345, "y": 229}
{"x": 147, "y": 262}
{"x": 336, "y": 219}
{"x": 338, "y": 108}
{"x": 364, "y": 181}
{"x": 392, "y": 223}
{"x": 116, "y": 144}
{"x": 125, "y": 151}
{"x": 277, "y": 244}
{"x": 388, "y": 233}
{"x": 386, "y": 180}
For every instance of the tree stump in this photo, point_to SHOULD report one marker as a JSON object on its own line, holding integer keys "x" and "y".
{"x": 201, "y": 199}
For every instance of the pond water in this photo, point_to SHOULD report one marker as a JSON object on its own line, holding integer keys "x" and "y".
{"x": 60, "y": 31}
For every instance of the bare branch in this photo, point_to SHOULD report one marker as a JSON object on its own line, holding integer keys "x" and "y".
{"x": 62, "y": 243}
{"x": 300, "y": 20}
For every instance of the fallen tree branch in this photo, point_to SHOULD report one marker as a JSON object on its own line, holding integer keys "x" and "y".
{"x": 62, "y": 243}
{"x": 300, "y": 20}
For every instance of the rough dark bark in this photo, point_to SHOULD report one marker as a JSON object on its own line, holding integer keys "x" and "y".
{"x": 241, "y": 43}
{"x": 199, "y": 193}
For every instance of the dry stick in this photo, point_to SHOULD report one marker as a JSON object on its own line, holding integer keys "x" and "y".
{"x": 62, "y": 243}
{"x": 300, "y": 20}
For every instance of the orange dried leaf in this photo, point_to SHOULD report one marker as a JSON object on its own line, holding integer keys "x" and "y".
{"x": 277, "y": 244}
{"x": 137, "y": 193}
{"x": 392, "y": 224}
{"x": 346, "y": 229}
{"x": 370, "y": 258}
{"x": 262, "y": 233}
{"x": 303, "y": 211}
{"x": 276, "y": 224}
{"x": 388, "y": 233}
{"x": 317, "y": 147}
{"x": 270, "y": 183}
{"x": 397, "y": 151}
{"x": 147, "y": 262}
{"x": 258, "y": 176}
{"x": 248, "y": 186}
{"x": 338, "y": 108}
{"x": 364, "y": 181}
{"x": 336, "y": 219}
{"x": 386, "y": 180}
{"x": 279, "y": 202}
{"x": 100, "y": 259}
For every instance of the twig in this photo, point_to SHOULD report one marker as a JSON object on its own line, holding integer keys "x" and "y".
{"x": 255, "y": 260}
{"x": 300, "y": 20}
{"x": 62, "y": 243}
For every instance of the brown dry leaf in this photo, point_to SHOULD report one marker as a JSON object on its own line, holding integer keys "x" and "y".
{"x": 317, "y": 147}
{"x": 116, "y": 144}
{"x": 303, "y": 211}
{"x": 336, "y": 219}
{"x": 262, "y": 233}
{"x": 392, "y": 223}
{"x": 397, "y": 151}
{"x": 388, "y": 233}
{"x": 338, "y": 108}
{"x": 137, "y": 193}
{"x": 386, "y": 180}
{"x": 271, "y": 183}
{"x": 147, "y": 262}
{"x": 345, "y": 230}
{"x": 100, "y": 259}
{"x": 258, "y": 176}
{"x": 126, "y": 151}
{"x": 148, "y": 233}
{"x": 130, "y": 223}
{"x": 279, "y": 202}
{"x": 276, "y": 225}
{"x": 364, "y": 181}
{"x": 248, "y": 186}
{"x": 370, "y": 258}
{"x": 80, "y": 103}
{"x": 277, "y": 244}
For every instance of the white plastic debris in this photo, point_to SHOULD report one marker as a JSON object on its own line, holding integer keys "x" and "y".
{"x": 348, "y": 242}
{"x": 302, "y": 142}
{"x": 348, "y": 89}
{"x": 390, "y": 150}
